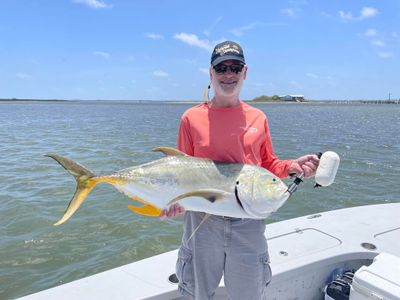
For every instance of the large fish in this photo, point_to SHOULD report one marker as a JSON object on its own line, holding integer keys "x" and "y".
{"x": 198, "y": 184}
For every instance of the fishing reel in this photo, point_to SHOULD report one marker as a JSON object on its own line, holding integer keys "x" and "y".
{"x": 325, "y": 174}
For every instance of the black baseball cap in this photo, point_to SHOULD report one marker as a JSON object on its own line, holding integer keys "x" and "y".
{"x": 226, "y": 51}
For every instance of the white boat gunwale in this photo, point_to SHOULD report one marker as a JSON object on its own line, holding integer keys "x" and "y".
{"x": 337, "y": 235}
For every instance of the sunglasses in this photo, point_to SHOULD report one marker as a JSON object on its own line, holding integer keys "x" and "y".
{"x": 222, "y": 69}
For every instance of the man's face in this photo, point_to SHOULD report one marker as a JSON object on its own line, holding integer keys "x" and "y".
{"x": 227, "y": 78}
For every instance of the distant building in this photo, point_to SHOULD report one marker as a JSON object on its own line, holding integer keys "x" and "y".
{"x": 297, "y": 98}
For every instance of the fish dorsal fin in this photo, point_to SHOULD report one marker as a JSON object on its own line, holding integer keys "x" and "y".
{"x": 210, "y": 195}
{"x": 169, "y": 151}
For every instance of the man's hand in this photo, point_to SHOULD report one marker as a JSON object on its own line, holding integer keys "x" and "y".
{"x": 306, "y": 164}
{"x": 172, "y": 212}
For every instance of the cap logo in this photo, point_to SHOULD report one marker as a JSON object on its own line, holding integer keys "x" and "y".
{"x": 227, "y": 49}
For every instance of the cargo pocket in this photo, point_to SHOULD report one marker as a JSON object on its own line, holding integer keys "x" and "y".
{"x": 184, "y": 270}
{"x": 266, "y": 269}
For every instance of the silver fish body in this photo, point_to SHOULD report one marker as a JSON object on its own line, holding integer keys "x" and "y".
{"x": 197, "y": 184}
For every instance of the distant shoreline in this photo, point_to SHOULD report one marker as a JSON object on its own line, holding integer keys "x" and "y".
{"x": 330, "y": 101}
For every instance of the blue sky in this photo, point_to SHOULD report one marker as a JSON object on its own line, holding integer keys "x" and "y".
{"x": 160, "y": 49}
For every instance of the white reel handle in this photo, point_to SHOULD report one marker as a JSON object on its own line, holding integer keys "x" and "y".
{"x": 327, "y": 169}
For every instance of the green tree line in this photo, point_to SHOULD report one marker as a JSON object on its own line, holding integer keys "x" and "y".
{"x": 265, "y": 98}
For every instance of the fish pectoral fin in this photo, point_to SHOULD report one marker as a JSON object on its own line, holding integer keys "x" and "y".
{"x": 211, "y": 195}
{"x": 169, "y": 151}
{"x": 146, "y": 210}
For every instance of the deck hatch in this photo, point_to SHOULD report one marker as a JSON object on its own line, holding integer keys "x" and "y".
{"x": 301, "y": 242}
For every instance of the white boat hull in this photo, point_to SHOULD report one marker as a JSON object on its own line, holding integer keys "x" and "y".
{"x": 346, "y": 238}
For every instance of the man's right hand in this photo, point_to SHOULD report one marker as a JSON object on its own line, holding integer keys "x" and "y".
{"x": 306, "y": 164}
{"x": 172, "y": 212}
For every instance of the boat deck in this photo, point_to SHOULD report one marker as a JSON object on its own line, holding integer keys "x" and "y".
{"x": 312, "y": 245}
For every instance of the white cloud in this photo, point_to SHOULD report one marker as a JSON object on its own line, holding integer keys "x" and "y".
{"x": 312, "y": 75}
{"x": 102, "y": 54}
{"x": 154, "y": 36}
{"x": 370, "y": 32}
{"x": 159, "y": 73}
{"x": 241, "y": 30}
{"x": 366, "y": 12}
{"x": 378, "y": 43}
{"x": 385, "y": 54}
{"x": 193, "y": 40}
{"x": 382, "y": 39}
{"x": 345, "y": 15}
{"x": 290, "y": 12}
{"x": 96, "y": 4}
{"x": 204, "y": 70}
{"x": 22, "y": 75}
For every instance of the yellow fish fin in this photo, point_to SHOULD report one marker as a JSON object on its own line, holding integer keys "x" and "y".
{"x": 82, "y": 190}
{"x": 146, "y": 210}
{"x": 169, "y": 151}
{"x": 210, "y": 195}
{"x": 85, "y": 182}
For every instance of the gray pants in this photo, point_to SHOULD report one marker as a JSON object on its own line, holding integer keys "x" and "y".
{"x": 235, "y": 248}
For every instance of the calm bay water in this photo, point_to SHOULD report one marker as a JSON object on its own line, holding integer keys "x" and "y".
{"x": 105, "y": 137}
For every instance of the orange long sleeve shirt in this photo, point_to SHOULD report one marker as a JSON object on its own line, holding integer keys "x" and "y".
{"x": 235, "y": 134}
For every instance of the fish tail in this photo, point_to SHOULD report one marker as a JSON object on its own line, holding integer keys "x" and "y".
{"x": 85, "y": 180}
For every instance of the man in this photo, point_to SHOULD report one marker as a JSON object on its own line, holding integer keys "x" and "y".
{"x": 226, "y": 129}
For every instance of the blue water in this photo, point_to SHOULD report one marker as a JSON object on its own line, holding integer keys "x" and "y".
{"x": 109, "y": 136}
